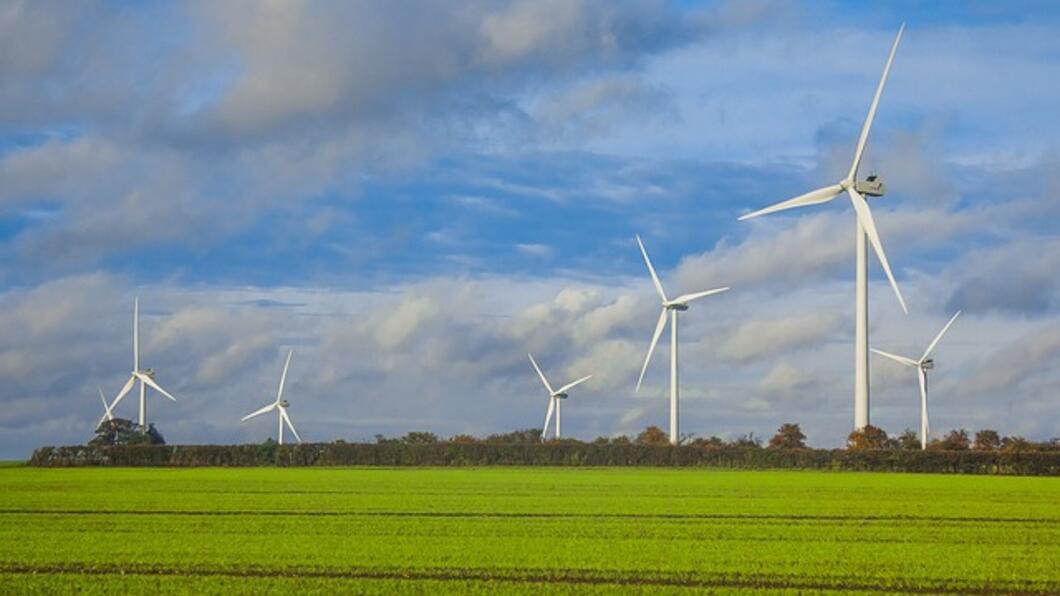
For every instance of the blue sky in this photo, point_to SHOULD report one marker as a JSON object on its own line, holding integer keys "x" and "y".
{"x": 414, "y": 197}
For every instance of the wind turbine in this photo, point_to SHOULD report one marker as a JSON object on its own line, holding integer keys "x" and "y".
{"x": 673, "y": 307}
{"x": 107, "y": 414}
{"x": 554, "y": 396}
{"x": 856, "y": 190}
{"x": 146, "y": 376}
{"x": 922, "y": 366}
{"x": 280, "y": 404}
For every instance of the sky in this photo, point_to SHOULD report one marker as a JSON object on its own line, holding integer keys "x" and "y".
{"x": 414, "y": 195}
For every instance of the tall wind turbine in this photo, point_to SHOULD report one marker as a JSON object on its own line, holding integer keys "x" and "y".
{"x": 107, "y": 414}
{"x": 554, "y": 396}
{"x": 672, "y": 307}
{"x": 280, "y": 404}
{"x": 922, "y": 366}
{"x": 856, "y": 190}
{"x": 146, "y": 376}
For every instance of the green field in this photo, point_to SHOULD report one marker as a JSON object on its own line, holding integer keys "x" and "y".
{"x": 523, "y": 530}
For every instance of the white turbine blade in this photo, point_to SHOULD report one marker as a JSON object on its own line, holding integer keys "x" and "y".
{"x": 124, "y": 391}
{"x": 287, "y": 419}
{"x": 864, "y": 137}
{"x": 548, "y": 415}
{"x": 108, "y": 415}
{"x": 136, "y": 334}
{"x": 540, "y": 374}
{"x": 263, "y": 410}
{"x": 151, "y": 383}
{"x": 654, "y": 340}
{"x": 821, "y": 195}
{"x": 654, "y": 276}
{"x": 935, "y": 341}
{"x": 867, "y": 223}
{"x": 283, "y": 377}
{"x": 574, "y": 384}
{"x": 686, "y": 298}
{"x": 897, "y": 358}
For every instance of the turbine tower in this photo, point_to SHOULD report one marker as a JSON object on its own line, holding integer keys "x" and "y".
{"x": 672, "y": 307}
{"x": 922, "y": 366}
{"x": 856, "y": 190}
{"x": 554, "y": 396}
{"x": 146, "y": 376}
{"x": 280, "y": 404}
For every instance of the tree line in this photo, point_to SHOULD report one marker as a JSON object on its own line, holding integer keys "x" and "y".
{"x": 867, "y": 450}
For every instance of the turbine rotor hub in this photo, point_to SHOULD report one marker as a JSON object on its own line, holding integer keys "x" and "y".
{"x": 928, "y": 364}
{"x": 284, "y": 403}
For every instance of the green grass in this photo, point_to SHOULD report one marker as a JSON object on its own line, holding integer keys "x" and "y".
{"x": 522, "y": 530}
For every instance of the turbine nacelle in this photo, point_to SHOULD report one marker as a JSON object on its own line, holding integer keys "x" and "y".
{"x": 927, "y": 364}
{"x": 678, "y": 306}
{"x": 872, "y": 186}
{"x": 283, "y": 403}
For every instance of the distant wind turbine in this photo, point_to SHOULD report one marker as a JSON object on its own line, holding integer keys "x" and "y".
{"x": 856, "y": 190}
{"x": 673, "y": 307}
{"x": 146, "y": 376}
{"x": 922, "y": 366}
{"x": 107, "y": 414}
{"x": 280, "y": 404}
{"x": 554, "y": 397}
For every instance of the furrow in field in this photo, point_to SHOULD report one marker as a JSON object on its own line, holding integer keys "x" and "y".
{"x": 564, "y": 576}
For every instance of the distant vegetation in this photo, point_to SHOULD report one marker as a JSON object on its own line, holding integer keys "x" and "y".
{"x": 868, "y": 450}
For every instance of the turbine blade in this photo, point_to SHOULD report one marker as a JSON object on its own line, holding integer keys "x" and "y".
{"x": 867, "y": 223}
{"x": 124, "y": 391}
{"x": 283, "y": 377}
{"x": 548, "y": 415}
{"x": 136, "y": 334}
{"x": 574, "y": 384}
{"x": 897, "y": 358}
{"x": 654, "y": 340}
{"x": 287, "y": 419}
{"x": 864, "y": 137}
{"x": 654, "y": 276}
{"x": 108, "y": 415}
{"x": 821, "y": 195}
{"x": 151, "y": 383}
{"x": 935, "y": 341}
{"x": 263, "y": 410}
{"x": 540, "y": 374}
{"x": 686, "y": 298}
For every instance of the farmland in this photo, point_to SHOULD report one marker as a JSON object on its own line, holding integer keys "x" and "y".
{"x": 523, "y": 530}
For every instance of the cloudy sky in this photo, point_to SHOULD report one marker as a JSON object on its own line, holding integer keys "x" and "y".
{"x": 413, "y": 195}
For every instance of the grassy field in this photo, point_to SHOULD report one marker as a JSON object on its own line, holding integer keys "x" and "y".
{"x": 523, "y": 530}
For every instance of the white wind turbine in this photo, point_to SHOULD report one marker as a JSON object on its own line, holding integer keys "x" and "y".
{"x": 554, "y": 396}
{"x": 673, "y": 307}
{"x": 922, "y": 366}
{"x": 856, "y": 190}
{"x": 146, "y": 376}
{"x": 107, "y": 414}
{"x": 280, "y": 404}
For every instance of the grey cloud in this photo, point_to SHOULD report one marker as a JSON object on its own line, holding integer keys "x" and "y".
{"x": 755, "y": 339}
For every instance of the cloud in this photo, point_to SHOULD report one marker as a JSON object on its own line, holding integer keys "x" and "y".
{"x": 755, "y": 339}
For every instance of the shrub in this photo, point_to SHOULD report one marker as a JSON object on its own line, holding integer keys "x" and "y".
{"x": 870, "y": 437}
{"x": 789, "y": 436}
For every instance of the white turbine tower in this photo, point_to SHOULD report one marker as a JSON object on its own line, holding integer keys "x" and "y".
{"x": 856, "y": 190}
{"x": 107, "y": 414}
{"x": 146, "y": 376}
{"x": 922, "y": 366}
{"x": 280, "y": 404}
{"x": 673, "y": 307}
{"x": 554, "y": 396}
